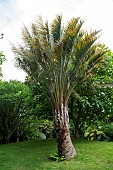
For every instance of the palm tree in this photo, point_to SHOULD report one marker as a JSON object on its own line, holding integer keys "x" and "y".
{"x": 58, "y": 57}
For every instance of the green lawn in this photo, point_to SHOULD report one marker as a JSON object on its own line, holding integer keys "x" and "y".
{"x": 34, "y": 155}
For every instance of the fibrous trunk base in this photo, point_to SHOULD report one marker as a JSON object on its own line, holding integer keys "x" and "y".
{"x": 65, "y": 146}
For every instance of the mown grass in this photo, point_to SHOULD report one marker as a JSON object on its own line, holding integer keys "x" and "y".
{"x": 34, "y": 155}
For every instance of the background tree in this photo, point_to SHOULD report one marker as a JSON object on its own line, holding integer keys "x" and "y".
{"x": 94, "y": 103}
{"x": 58, "y": 58}
{"x": 41, "y": 108}
{"x": 15, "y": 111}
{"x": 2, "y": 58}
{"x": 41, "y": 105}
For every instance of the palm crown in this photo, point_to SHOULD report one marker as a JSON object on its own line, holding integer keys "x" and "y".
{"x": 57, "y": 56}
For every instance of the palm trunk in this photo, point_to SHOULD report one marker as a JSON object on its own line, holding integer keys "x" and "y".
{"x": 65, "y": 146}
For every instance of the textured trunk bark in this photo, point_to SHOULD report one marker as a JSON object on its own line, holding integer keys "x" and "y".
{"x": 17, "y": 139}
{"x": 7, "y": 139}
{"x": 65, "y": 146}
{"x": 17, "y": 134}
{"x": 77, "y": 135}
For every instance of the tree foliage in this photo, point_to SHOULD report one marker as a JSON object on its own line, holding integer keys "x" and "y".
{"x": 2, "y": 58}
{"x": 95, "y": 101}
{"x": 15, "y": 101}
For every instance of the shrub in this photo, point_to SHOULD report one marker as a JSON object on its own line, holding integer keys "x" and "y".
{"x": 45, "y": 127}
{"x": 95, "y": 133}
{"x": 108, "y": 130}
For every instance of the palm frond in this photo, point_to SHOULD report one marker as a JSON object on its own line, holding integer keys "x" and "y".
{"x": 71, "y": 33}
{"x": 26, "y": 37}
{"x": 56, "y": 28}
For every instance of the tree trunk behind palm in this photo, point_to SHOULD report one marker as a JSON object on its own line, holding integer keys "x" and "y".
{"x": 65, "y": 146}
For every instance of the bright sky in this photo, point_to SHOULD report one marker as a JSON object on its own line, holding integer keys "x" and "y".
{"x": 98, "y": 14}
